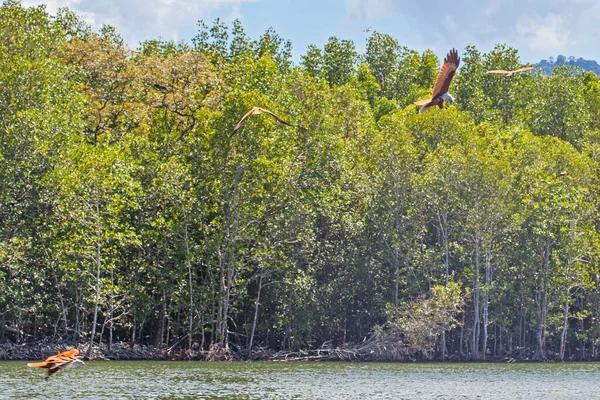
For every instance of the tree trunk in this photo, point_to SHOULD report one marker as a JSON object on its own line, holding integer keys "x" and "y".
{"x": 563, "y": 334}
{"x": 77, "y": 317}
{"x": 224, "y": 287}
{"x": 168, "y": 326}
{"x": 35, "y": 326}
{"x": 97, "y": 299}
{"x": 141, "y": 331}
{"x": 227, "y": 261}
{"x": 158, "y": 336}
{"x": 189, "y": 265}
{"x": 582, "y": 327}
{"x": 522, "y": 319}
{"x": 443, "y": 344}
{"x": 221, "y": 311}
{"x": 133, "y": 329}
{"x": 111, "y": 305}
{"x": 486, "y": 301}
{"x": 102, "y": 332}
{"x": 396, "y": 283}
{"x": 230, "y": 279}
{"x": 446, "y": 238}
{"x": 497, "y": 339}
{"x": 543, "y": 307}
{"x": 462, "y": 335}
{"x": 475, "y": 326}
{"x": 63, "y": 310}
{"x": 287, "y": 343}
{"x": 256, "y": 305}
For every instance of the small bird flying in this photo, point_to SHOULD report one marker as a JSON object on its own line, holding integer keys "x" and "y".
{"x": 367, "y": 29}
{"x": 258, "y": 110}
{"x": 510, "y": 74}
{"x": 66, "y": 359}
{"x": 442, "y": 83}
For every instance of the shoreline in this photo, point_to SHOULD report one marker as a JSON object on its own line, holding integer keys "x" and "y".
{"x": 125, "y": 352}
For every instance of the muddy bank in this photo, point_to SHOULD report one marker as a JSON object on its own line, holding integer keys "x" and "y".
{"x": 123, "y": 351}
{"x": 38, "y": 351}
{"x": 370, "y": 351}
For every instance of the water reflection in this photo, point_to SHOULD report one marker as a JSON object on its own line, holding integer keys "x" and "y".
{"x": 264, "y": 380}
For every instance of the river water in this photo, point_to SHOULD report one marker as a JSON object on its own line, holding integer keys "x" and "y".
{"x": 302, "y": 380}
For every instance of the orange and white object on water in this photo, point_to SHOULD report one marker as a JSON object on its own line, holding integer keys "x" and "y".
{"x": 53, "y": 364}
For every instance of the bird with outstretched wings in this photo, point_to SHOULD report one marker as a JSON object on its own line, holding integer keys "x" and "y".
{"x": 510, "y": 73}
{"x": 53, "y": 364}
{"x": 442, "y": 83}
{"x": 258, "y": 110}
{"x": 367, "y": 29}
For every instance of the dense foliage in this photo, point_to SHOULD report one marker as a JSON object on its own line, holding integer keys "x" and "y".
{"x": 130, "y": 213}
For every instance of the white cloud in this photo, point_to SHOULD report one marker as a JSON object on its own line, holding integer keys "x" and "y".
{"x": 52, "y": 5}
{"x": 143, "y": 19}
{"x": 537, "y": 28}
{"x": 450, "y": 23}
{"x": 549, "y": 34}
{"x": 236, "y": 13}
{"x": 369, "y": 9}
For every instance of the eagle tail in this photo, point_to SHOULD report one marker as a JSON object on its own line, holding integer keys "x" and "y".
{"x": 42, "y": 364}
{"x": 422, "y": 102}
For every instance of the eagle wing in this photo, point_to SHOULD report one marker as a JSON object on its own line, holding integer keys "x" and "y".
{"x": 447, "y": 71}
{"x": 525, "y": 69}
{"x": 241, "y": 122}
{"x": 58, "y": 366}
{"x": 278, "y": 118}
{"x": 58, "y": 359}
{"x": 258, "y": 110}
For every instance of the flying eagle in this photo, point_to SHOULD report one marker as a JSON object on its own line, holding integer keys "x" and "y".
{"x": 258, "y": 110}
{"x": 510, "y": 73}
{"x": 442, "y": 83}
{"x": 53, "y": 364}
{"x": 367, "y": 29}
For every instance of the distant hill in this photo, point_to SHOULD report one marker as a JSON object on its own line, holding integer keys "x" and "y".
{"x": 588, "y": 65}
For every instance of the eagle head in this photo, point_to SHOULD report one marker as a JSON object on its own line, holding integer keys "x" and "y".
{"x": 448, "y": 97}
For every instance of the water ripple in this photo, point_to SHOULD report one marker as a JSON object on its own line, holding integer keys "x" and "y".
{"x": 281, "y": 381}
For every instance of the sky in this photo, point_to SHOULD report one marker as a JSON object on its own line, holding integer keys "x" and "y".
{"x": 537, "y": 28}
